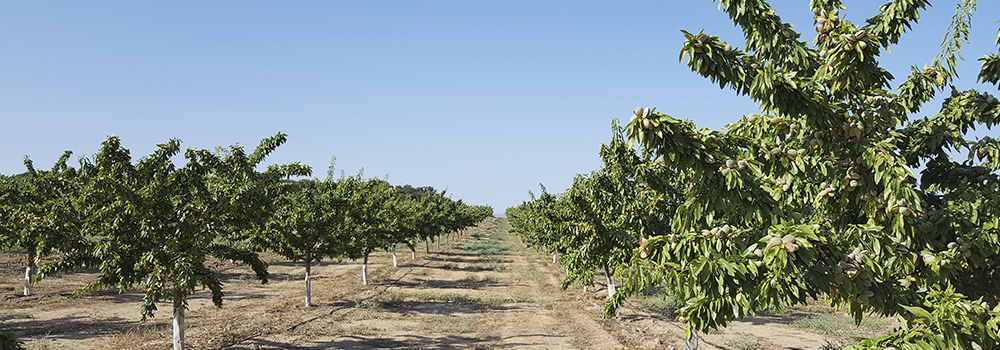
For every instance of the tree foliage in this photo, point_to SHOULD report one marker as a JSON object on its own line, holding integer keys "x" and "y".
{"x": 156, "y": 224}
{"x": 37, "y": 211}
{"x": 834, "y": 190}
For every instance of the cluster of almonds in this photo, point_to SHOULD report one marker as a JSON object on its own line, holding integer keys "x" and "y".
{"x": 813, "y": 140}
{"x": 851, "y": 267}
{"x": 733, "y": 165}
{"x": 796, "y": 152}
{"x": 776, "y": 152}
{"x": 963, "y": 247}
{"x": 983, "y": 142}
{"x": 642, "y": 113}
{"x": 930, "y": 259}
{"x": 672, "y": 238}
{"x": 827, "y": 190}
{"x": 699, "y": 42}
{"x": 826, "y": 20}
{"x": 784, "y": 184}
{"x": 860, "y": 39}
{"x": 718, "y": 232}
{"x": 784, "y": 125}
{"x": 902, "y": 208}
{"x": 853, "y": 129}
{"x": 989, "y": 98}
{"x": 874, "y": 196}
{"x": 787, "y": 242}
{"x": 852, "y": 180}
{"x": 984, "y": 145}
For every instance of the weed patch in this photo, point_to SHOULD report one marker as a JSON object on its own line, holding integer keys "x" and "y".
{"x": 843, "y": 326}
{"x": 450, "y": 324}
{"x": 340, "y": 330}
{"x": 664, "y": 306}
{"x": 744, "y": 342}
{"x": 474, "y": 282}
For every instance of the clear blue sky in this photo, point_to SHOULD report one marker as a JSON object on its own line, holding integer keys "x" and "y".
{"x": 486, "y": 99}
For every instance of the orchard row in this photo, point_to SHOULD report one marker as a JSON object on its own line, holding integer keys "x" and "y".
{"x": 153, "y": 224}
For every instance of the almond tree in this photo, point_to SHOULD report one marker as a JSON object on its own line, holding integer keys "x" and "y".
{"x": 156, "y": 224}
{"x": 307, "y": 226}
{"x": 603, "y": 217}
{"x": 37, "y": 212}
{"x": 819, "y": 188}
{"x": 371, "y": 218}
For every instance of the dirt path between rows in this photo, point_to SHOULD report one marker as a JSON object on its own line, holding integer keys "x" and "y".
{"x": 483, "y": 290}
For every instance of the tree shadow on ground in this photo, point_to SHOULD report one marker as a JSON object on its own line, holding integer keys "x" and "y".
{"x": 72, "y": 327}
{"x": 448, "y": 342}
{"x": 467, "y": 283}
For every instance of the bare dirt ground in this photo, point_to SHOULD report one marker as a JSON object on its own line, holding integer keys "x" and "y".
{"x": 467, "y": 294}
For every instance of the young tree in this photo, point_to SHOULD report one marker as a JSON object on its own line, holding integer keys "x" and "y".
{"x": 37, "y": 212}
{"x": 819, "y": 188}
{"x": 371, "y": 218}
{"x": 307, "y": 226}
{"x": 156, "y": 224}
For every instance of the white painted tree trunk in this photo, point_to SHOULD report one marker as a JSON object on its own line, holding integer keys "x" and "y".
{"x": 611, "y": 291}
{"x": 692, "y": 344}
{"x": 27, "y": 281}
{"x": 308, "y": 291}
{"x": 553, "y": 258}
{"x": 394, "y": 263}
{"x": 584, "y": 289}
{"x": 178, "y": 328}
{"x": 413, "y": 254}
{"x": 364, "y": 271}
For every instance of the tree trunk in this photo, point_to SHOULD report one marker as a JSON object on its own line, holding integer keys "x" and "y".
{"x": 413, "y": 253}
{"x": 30, "y": 271}
{"x": 553, "y": 258}
{"x": 308, "y": 284}
{"x": 427, "y": 245}
{"x": 611, "y": 283}
{"x": 178, "y": 319}
{"x": 364, "y": 270}
{"x": 27, "y": 281}
{"x": 394, "y": 262}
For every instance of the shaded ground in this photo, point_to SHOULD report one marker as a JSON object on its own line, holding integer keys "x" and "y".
{"x": 481, "y": 290}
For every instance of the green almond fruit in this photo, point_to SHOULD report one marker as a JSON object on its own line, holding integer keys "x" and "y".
{"x": 774, "y": 241}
